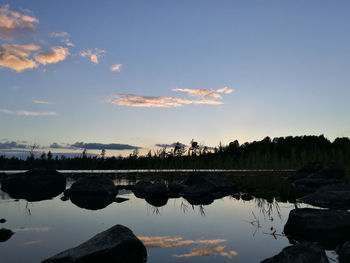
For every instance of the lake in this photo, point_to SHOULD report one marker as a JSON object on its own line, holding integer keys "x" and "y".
{"x": 227, "y": 230}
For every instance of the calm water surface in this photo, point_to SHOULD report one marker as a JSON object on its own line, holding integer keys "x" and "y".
{"x": 228, "y": 230}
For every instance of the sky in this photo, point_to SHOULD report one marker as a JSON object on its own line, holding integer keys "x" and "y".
{"x": 125, "y": 74}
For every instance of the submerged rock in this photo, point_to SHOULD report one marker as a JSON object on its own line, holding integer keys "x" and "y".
{"x": 2, "y": 220}
{"x": 344, "y": 252}
{"x": 304, "y": 252}
{"x": 331, "y": 196}
{"x": 5, "y": 234}
{"x": 328, "y": 227}
{"x": 120, "y": 199}
{"x": 91, "y": 202}
{"x": 116, "y": 244}
{"x": 34, "y": 185}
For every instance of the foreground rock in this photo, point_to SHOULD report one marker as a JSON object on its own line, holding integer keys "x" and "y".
{"x": 315, "y": 175}
{"x": 34, "y": 185}
{"x": 5, "y": 234}
{"x": 331, "y": 196}
{"x": 304, "y": 252}
{"x": 117, "y": 244}
{"x": 328, "y": 227}
{"x": 92, "y": 193}
{"x": 344, "y": 253}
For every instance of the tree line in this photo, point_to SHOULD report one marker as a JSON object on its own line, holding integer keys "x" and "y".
{"x": 277, "y": 153}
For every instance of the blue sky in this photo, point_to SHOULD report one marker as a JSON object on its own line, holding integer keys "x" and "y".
{"x": 208, "y": 70}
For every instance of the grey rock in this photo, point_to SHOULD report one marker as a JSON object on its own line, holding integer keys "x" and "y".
{"x": 304, "y": 252}
{"x": 92, "y": 186}
{"x": 331, "y": 196}
{"x": 328, "y": 227}
{"x": 117, "y": 244}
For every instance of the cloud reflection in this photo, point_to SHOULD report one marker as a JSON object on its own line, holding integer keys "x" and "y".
{"x": 34, "y": 229}
{"x": 209, "y": 247}
{"x": 34, "y": 242}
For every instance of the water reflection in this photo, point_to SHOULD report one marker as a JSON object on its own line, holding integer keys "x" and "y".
{"x": 208, "y": 251}
{"x": 208, "y": 247}
{"x": 34, "y": 242}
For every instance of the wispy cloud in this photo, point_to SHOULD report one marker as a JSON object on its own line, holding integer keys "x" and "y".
{"x": 116, "y": 67}
{"x": 28, "y": 113}
{"x": 15, "y": 56}
{"x": 225, "y": 90}
{"x": 59, "y": 34}
{"x": 41, "y": 102}
{"x": 94, "y": 54}
{"x": 148, "y": 101}
{"x": 57, "y": 54}
{"x": 204, "y": 96}
{"x": 200, "y": 93}
{"x": 101, "y": 146}
{"x": 14, "y": 23}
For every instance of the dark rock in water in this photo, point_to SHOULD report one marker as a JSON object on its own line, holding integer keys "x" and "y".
{"x": 157, "y": 190}
{"x": 2, "y": 220}
{"x": 5, "y": 234}
{"x": 305, "y": 252}
{"x": 315, "y": 175}
{"x": 175, "y": 190}
{"x": 117, "y": 244}
{"x": 331, "y": 196}
{"x": 199, "y": 200}
{"x": 139, "y": 189}
{"x": 310, "y": 184}
{"x": 344, "y": 252}
{"x": 156, "y": 201}
{"x": 92, "y": 193}
{"x": 247, "y": 197}
{"x": 34, "y": 185}
{"x": 199, "y": 184}
{"x": 120, "y": 199}
{"x": 92, "y": 186}
{"x": 328, "y": 227}
{"x": 91, "y": 202}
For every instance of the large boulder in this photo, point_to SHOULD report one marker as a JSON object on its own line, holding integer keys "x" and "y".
{"x": 34, "y": 185}
{"x": 5, "y": 234}
{"x": 344, "y": 252}
{"x": 139, "y": 189}
{"x": 328, "y": 227}
{"x": 157, "y": 190}
{"x": 200, "y": 185}
{"x": 331, "y": 196}
{"x": 92, "y": 193}
{"x": 305, "y": 252}
{"x": 117, "y": 244}
{"x": 92, "y": 186}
